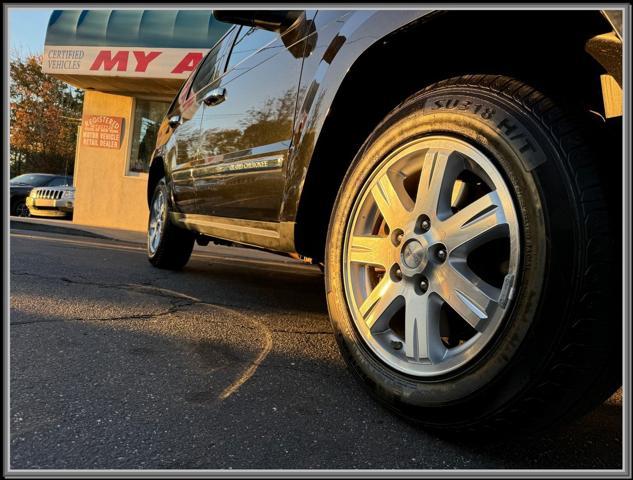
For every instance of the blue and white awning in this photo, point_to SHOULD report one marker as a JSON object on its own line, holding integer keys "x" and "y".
{"x": 128, "y": 45}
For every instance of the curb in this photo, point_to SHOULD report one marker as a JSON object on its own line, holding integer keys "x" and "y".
{"x": 40, "y": 227}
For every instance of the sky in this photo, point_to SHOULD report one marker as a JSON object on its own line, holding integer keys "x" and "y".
{"x": 27, "y": 29}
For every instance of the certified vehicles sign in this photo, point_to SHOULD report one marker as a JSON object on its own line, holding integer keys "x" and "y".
{"x": 121, "y": 61}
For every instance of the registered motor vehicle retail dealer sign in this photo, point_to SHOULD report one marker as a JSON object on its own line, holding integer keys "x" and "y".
{"x": 102, "y": 131}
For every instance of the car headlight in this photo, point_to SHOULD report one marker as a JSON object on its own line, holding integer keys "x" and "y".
{"x": 68, "y": 194}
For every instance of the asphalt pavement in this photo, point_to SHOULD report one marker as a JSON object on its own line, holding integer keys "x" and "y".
{"x": 228, "y": 364}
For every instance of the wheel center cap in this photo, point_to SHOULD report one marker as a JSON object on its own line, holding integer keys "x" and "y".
{"x": 413, "y": 254}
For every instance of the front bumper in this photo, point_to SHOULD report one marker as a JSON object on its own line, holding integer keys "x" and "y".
{"x": 47, "y": 207}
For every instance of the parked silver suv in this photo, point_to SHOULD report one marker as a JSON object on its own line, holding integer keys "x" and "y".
{"x": 51, "y": 201}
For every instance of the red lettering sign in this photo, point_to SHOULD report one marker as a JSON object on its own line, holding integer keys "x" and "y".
{"x": 106, "y": 59}
{"x": 143, "y": 59}
{"x": 133, "y": 62}
{"x": 189, "y": 63}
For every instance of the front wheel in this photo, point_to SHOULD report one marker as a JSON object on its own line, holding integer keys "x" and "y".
{"x": 168, "y": 246}
{"x": 468, "y": 268}
{"x": 20, "y": 209}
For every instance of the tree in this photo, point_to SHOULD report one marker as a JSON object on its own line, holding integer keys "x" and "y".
{"x": 44, "y": 115}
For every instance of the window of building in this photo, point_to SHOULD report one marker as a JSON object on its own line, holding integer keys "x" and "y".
{"x": 147, "y": 117}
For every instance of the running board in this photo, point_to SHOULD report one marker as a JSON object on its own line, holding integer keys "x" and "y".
{"x": 277, "y": 236}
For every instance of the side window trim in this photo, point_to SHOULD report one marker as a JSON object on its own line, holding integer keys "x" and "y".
{"x": 228, "y": 57}
{"x": 226, "y": 42}
{"x": 261, "y": 48}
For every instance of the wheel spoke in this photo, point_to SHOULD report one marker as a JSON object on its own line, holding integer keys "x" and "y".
{"x": 422, "y": 336}
{"x": 156, "y": 222}
{"x": 439, "y": 172}
{"x": 370, "y": 250}
{"x": 472, "y": 298}
{"x": 476, "y": 224}
{"x": 154, "y": 241}
{"x": 393, "y": 201}
{"x": 161, "y": 204}
{"x": 380, "y": 304}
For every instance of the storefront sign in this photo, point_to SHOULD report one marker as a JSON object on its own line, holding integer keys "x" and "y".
{"x": 101, "y": 131}
{"x": 122, "y": 61}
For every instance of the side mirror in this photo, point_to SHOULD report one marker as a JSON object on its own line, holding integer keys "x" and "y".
{"x": 274, "y": 20}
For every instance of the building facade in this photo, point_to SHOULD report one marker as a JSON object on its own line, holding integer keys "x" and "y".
{"x": 131, "y": 64}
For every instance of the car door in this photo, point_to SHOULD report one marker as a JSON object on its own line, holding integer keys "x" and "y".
{"x": 247, "y": 127}
{"x": 185, "y": 119}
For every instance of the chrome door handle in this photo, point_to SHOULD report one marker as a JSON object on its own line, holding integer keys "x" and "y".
{"x": 174, "y": 121}
{"x": 214, "y": 97}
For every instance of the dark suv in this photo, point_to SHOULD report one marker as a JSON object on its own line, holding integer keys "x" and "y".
{"x": 457, "y": 175}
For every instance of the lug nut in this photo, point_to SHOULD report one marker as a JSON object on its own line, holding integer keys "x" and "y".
{"x": 441, "y": 254}
{"x": 397, "y": 235}
{"x": 395, "y": 272}
{"x": 423, "y": 224}
{"x": 424, "y": 285}
{"x": 396, "y": 345}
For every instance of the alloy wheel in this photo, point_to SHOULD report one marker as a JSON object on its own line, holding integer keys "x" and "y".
{"x": 157, "y": 219}
{"x": 431, "y": 256}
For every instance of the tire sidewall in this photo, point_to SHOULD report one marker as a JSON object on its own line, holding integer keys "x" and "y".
{"x": 544, "y": 205}
{"x": 16, "y": 204}
{"x": 161, "y": 186}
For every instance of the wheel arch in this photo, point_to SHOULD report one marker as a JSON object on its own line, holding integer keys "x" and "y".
{"x": 566, "y": 73}
{"x": 156, "y": 172}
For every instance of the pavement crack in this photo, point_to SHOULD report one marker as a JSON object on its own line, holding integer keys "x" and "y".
{"x": 303, "y": 332}
{"x": 179, "y": 301}
{"x": 149, "y": 288}
{"x": 139, "y": 288}
{"x": 175, "y": 307}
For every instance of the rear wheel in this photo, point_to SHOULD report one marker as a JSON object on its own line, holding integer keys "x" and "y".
{"x": 168, "y": 246}
{"x": 468, "y": 261}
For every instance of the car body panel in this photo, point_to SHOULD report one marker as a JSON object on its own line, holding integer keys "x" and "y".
{"x": 277, "y": 101}
{"x": 343, "y": 37}
{"x": 251, "y": 165}
{"x": 179, "y": 145}
{"x": 246, "y": 137}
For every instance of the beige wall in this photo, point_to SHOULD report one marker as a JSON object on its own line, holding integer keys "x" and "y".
{"x": 104, "y": 195}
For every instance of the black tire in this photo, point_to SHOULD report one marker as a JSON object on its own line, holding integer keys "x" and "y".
{"x": 558, "y": 352}
{"x": 176, "y": 244}
{"x": 18, "y": 208}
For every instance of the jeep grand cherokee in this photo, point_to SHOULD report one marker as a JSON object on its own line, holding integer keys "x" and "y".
{"x": 456, "y": 173}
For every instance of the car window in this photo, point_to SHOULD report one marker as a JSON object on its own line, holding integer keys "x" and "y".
{"x": 249, "y": 41}
{"x": 58, "y": 181}
{"x": 31, "y": 179}
{"x": 213, "y": 64}
{"x": 181, "y": 96}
